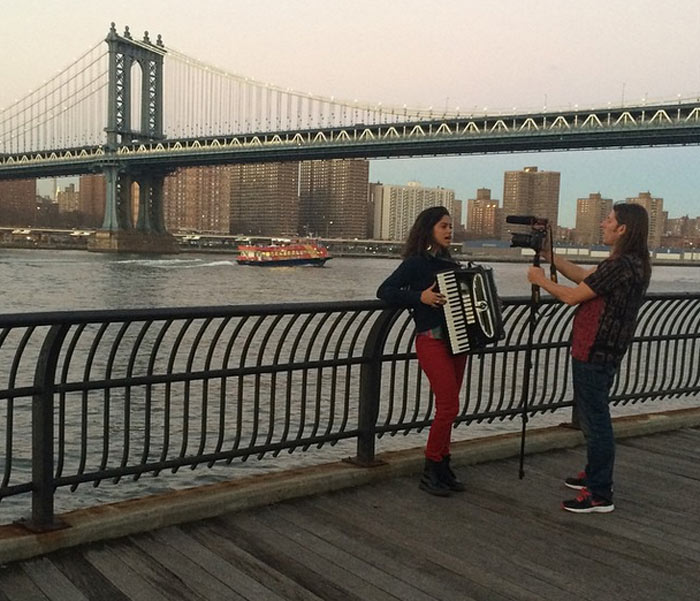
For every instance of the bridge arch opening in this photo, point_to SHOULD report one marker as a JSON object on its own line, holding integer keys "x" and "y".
{"x": 135, "y": 98}
{"x": 134, "y": 196}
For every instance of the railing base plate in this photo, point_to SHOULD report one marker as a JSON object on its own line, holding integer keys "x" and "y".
{"x": 27, "y": 524}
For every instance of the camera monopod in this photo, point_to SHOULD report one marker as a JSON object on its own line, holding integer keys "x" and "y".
{"x": 541, "y": 231}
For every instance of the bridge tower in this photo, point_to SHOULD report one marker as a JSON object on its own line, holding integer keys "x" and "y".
{"x": 119, "y": 233}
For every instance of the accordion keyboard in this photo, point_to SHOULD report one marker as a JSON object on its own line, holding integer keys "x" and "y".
{"x": 459, "y": 311}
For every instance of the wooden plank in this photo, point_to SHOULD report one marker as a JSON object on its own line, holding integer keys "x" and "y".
{"x": 168, "y": 582}
{"x": 211, "y": 535}
{"x": 427, "y": 523}
{"x": 293, "y": 522}
{"x": 517, "y": 528}
{"x": 310, "y": 570}
{"x": 17, "y": 586}
{"x": 52, "y": 582}
{"x": 124, "y": 577}
{"x": 190, "y": 573}
{"x": 85, "y": 576}
{"x": 227, "y": 573}
{"x": 401, "y": 562}
{"x": 645, "y": 565}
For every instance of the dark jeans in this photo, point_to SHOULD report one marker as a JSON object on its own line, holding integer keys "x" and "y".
{"x": 592, "y": 383}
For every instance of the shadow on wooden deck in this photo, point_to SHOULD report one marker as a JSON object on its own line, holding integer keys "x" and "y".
{"x": 504, "y": 538}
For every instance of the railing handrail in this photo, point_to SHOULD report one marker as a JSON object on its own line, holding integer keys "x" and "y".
{"x": 256, "y": 379}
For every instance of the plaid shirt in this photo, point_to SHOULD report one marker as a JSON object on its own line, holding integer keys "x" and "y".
{"x": 604, "y": 326}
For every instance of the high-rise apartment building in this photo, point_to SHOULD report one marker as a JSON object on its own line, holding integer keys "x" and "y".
{"x": 531, "y": 192}
{"x": 590, "y": 212}
{"x": 92, "y": 198}
{"x": 396, "y": 207}
{"x": 68, "y": 199}
{"x": 17, "y": 201}
{"x": 333, "y": 198}
{"x": 484, "y": 216}
{"x": 657, "y": 216}
{"x": 198, "y": 199}
{"x": 264, "y": 199}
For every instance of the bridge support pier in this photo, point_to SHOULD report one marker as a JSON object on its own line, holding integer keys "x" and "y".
{"x": 118, "y": 233}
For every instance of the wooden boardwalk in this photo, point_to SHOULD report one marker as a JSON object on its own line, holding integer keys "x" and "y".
{"x": 503, "y": 539}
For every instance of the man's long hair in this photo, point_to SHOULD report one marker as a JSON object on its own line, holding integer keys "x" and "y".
{"x": 420, "y": 238}
{"x": 634, "y": 241}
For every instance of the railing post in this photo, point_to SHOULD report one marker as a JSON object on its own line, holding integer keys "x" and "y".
{"x": 42, "y": 431}
{"x": 371, "y": 387}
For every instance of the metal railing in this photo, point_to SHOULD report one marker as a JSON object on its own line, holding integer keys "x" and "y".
{"x": 101, "y": 395}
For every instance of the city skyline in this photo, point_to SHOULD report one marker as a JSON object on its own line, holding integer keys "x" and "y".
{"x": 391, "y": 53}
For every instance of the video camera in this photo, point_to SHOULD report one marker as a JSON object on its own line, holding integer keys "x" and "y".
{"x": 537, "y": 236}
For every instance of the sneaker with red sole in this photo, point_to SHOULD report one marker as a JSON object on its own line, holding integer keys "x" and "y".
{"x": 587, "y": 503}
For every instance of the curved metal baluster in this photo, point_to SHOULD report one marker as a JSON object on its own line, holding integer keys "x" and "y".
{"x": 334, "y": 374}
{"x": 116, "y": 343}
{"x": 127, "y": 396}
{"x": 258, "y": 377}
{"x": 305, "y": 378}
{"x": 205, "y": 383}
{"x": 224, "y": 364}
{"x": 273, "y": 383}
{"x": 84, "y": 405}
{"x": 242, "y": 364}
{"x": 149, "y": 391}
{"x": 168, "y": 387}
{"x": 61, "y": 440}
{"x": 194, "y": 347}
{"x": 288, "y": 399}
{"x": 12, "y": 378}
{"x": 352, "y": 348}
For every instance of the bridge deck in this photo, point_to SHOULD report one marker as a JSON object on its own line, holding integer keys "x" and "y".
{"x": 503, "y": 539}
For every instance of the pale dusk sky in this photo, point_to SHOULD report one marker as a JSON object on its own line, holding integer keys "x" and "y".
{"x": 498, "y": 54}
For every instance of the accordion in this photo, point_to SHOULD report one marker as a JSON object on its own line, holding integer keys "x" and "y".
{"x": 472, "y": 313}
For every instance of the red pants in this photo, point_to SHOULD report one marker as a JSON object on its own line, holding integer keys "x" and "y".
{"x": 445, "y": 373}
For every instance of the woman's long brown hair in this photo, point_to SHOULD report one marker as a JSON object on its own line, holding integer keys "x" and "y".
{"x": 421, "y": 235}
{"x": 634, "y": 241}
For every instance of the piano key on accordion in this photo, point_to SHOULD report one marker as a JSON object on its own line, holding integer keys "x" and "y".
{"x": 472, "y": 312}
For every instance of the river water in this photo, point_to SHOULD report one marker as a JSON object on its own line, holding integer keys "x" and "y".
{"x": 39, "y": 280}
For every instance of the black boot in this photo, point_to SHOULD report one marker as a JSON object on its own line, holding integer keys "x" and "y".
{"x": 448, "y": 477}
{"x": 431, "y": 482}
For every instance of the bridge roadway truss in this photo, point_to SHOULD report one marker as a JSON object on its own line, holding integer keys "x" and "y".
{"x": 623, "y": 127}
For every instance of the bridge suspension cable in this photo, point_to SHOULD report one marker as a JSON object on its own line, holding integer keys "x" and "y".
{"x": 204, "y": 100}
{"x": 67, "y": 111}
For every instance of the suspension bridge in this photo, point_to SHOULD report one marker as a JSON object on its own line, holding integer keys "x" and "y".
{"x": 135, "y": 111}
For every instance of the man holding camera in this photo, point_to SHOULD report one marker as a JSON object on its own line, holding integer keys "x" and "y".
{"x": 608, "y": 298}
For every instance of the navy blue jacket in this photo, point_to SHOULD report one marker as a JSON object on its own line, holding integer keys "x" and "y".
{"x": 404, "y": 286}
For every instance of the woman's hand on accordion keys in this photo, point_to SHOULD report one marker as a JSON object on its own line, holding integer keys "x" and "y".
{"x": 430, "y": 297}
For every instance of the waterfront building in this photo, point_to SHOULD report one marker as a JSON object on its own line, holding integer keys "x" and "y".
{"x": 333, "y": 198}
{"x": 68, "y": 199}
{"x": 531, "y": 192}
{"x": 197, "y": 199}
{"x": 590, "y": 212}
{"x": 264, "y": 199}
{"x": 657, "y": 216}
{"x": 92, "y": 191}
{"x": 484, "y": 216}
{"x": 396, "y": 207}
{"x": 17, "y": 201}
